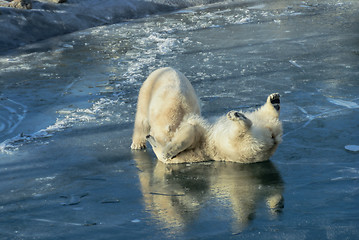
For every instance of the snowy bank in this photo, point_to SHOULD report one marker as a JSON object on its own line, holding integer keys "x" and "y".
{"x": 20, "y": 27}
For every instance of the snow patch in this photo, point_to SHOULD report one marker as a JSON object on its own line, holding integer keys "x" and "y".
{"x": 352, "y": 148}
{"x": 95, "y": 112}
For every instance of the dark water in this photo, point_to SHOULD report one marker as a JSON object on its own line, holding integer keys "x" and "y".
{"x": 67, "y": 109}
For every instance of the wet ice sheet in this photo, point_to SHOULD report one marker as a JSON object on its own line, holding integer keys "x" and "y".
{"x": 86, "y": 89}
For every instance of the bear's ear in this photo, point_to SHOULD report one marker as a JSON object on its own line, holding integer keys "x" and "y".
{"x": 236, "y": 116}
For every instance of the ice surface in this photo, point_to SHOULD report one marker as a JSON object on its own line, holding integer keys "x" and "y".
{"x": 67, "y": 108}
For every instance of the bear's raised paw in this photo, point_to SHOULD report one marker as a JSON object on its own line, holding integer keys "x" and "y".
{"x": 239, "y": 117}
{"x": 274, "y": 99}
{"x": 236, "y": 116}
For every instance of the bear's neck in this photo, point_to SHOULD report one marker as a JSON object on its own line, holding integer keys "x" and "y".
{"x": 209, "y": 144}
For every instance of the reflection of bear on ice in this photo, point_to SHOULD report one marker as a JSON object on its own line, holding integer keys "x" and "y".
{"x": 187, "y": 195}
{"x": 168, "y": 116}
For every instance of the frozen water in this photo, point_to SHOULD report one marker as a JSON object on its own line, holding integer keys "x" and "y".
{"x": 67, "y": 107}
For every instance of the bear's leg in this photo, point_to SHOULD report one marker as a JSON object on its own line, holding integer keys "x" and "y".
{"x": 269, "y": 114}
{"x": 184, "y": 137}
{"x": 141, "y": 130}
{"x": 240, "y": 118}
{"x": 152, "y": 141}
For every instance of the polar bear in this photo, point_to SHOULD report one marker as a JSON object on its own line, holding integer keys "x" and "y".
{"x": 168, "y": 117}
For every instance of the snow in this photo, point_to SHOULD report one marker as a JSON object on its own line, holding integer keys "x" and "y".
{"x": 352, "y": 148}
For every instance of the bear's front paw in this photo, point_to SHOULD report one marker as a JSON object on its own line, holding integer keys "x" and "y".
{"x": 274, "y": 99}
{"x": 138, "y": 145}
{"x": 239, "y": 117}
{"x": 236, "y": 116}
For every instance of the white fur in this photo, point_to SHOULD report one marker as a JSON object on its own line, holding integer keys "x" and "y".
{"x": 168, "y": 114}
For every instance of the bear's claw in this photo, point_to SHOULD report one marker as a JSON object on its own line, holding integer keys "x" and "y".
{"x": 139, "y": 146}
